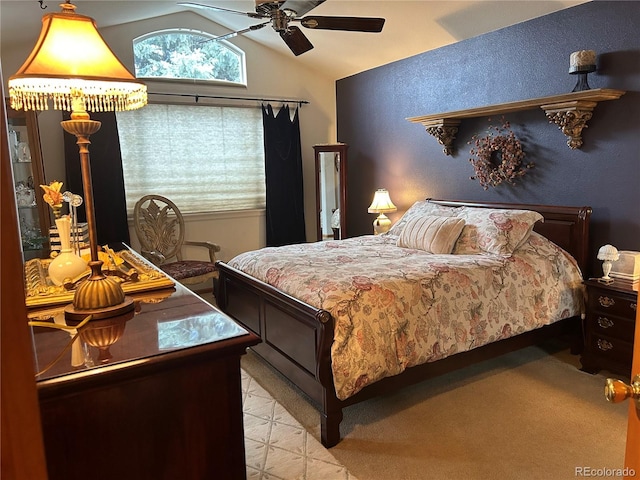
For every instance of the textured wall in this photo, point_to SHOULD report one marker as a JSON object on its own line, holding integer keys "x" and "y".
{"x": 527, "y": 60}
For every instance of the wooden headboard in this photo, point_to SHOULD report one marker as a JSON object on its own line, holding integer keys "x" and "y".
{"x": 567, "y": 227}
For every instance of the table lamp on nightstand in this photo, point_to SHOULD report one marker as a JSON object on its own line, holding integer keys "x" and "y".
{"x": 607, "y": 253}
{"x": 381, "y": 204}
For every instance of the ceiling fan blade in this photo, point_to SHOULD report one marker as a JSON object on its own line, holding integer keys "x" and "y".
{"x": 202, "y": 6}
{"x": 352, "y": 24}
{"x": 235, "y": 34}
{"x": 296, "y": 40}
{"x": 300, "y": 6}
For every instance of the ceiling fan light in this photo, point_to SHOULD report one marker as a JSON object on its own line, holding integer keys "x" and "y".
{"x": 279, "y": 21}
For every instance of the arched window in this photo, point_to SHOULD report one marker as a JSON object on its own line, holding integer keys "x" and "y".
{"x": 189, "y": 55}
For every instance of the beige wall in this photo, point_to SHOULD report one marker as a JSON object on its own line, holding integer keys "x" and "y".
{"x": 269, "y": 75}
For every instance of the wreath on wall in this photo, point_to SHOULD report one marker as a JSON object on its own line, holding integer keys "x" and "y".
{"x": 498, "y": 156}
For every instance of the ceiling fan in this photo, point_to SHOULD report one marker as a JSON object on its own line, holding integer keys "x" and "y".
{"x": 281, "y": 13}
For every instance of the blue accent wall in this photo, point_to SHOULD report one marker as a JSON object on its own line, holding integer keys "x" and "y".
{"x": 527, "y": 60}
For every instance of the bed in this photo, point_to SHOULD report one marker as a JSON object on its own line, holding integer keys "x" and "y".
{"x": 347, "y": 320}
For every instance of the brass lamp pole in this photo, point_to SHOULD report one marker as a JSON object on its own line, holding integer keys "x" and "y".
{"x": 98, "y": 295}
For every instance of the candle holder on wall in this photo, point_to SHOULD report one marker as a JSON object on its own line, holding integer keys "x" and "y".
{"x": 582, "y": 63}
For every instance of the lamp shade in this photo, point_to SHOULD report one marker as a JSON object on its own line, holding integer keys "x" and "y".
{"x": 381, "y": 202}
{"x": 608, "y": 252}
{"x": 72, "y": 60}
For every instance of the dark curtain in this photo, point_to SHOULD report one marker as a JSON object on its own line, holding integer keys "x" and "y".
{"x": 106, "y": 175}
{"x": 283, "y": 171}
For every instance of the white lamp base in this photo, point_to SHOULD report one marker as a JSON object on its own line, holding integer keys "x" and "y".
{"x": 382, "y": 224}
{"x": 606, "y": 270}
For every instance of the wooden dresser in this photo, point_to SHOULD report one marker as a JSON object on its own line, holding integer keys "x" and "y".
{"x": 165, "y": 404}
{"x": 609, "y": 328}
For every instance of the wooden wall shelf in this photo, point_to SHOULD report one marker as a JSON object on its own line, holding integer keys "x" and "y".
{"x": 570, "y": 112}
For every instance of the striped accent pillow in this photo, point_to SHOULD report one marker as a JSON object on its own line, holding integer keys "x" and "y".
{"x": 431, "y": 234}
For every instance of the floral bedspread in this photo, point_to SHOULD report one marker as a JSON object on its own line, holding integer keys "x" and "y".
{"x": 396, "y": 307}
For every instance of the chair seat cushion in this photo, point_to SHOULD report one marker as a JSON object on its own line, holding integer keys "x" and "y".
{"x": 188, "y": 269}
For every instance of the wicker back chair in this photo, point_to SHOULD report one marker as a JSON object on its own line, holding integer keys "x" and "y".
{"x": 159, "y": 226}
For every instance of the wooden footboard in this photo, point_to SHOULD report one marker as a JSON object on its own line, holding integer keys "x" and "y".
{"x": 296, "y": 338}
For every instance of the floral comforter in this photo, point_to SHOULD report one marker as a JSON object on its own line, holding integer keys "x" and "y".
{"x": 397, "y": 307}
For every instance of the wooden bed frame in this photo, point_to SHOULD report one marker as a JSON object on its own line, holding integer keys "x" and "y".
{"x": 296, "y": 337}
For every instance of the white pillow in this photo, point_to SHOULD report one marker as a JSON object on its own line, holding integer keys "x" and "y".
{"x": 420, "y": 209}
{"x": 431, "y": 234}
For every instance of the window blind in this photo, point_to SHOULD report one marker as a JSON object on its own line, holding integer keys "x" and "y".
{"x": 203, "y": 158}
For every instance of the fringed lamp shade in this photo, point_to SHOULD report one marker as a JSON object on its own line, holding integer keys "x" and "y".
{"x": 70, "y": 61}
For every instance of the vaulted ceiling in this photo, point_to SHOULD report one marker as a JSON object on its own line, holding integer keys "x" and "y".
{"x": 411, "y": 27}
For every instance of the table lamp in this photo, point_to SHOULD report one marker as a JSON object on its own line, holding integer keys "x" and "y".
{"x": 609, "y": 254}
{"x": 72, "y": 67}
{"x": 381, "y": 204}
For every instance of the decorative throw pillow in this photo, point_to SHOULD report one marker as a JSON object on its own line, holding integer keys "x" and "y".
{"x": 420, "y": 209}
{"x": 431, "y": 234}
{"x": 493, "y": 230}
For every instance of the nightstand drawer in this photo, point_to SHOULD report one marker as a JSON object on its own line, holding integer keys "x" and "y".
{"x": 610, "y": 325}
{"x": 609, "y": 303}
{"x": 611, "y": 348}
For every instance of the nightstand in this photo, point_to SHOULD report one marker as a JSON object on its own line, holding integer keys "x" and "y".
{"x": 609, "y": 327}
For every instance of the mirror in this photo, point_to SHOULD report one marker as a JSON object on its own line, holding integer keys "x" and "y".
{"x": 331, "y": 190}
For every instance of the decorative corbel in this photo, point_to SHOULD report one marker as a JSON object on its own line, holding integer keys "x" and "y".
{"x": 571, "y": 117}
{"x": 444, "y": 130}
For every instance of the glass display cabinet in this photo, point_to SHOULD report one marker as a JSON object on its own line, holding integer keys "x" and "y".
{"x": 28, "y": 175}
{"x": 331, "y": 190}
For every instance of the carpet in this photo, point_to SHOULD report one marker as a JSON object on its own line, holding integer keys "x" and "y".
{"x": 277, "y": 447}
{"x": 530, "y": 415}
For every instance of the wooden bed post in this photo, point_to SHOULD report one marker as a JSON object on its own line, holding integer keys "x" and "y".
{"x": 330, "y": 420}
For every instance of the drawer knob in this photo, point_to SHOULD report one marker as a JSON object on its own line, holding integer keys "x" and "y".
{"x": 604, "y": 322}
{"x": 606, "y": 302}
{"x": 604, "y": 345}
{"x": 634, "y": 306}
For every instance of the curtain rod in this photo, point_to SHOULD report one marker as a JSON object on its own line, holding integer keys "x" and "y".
{"x": 221, "y": 97}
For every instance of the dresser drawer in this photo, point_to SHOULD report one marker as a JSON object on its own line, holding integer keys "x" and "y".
{"x": 609, "y": 303}
{"x": 611, "y": 348}
{"x": 610, "y": 325}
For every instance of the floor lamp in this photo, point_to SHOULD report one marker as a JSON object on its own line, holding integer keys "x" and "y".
{"x": 72, "y": 67}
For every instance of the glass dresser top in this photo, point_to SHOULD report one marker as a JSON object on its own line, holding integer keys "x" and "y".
{"x": 163, "y": 322}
